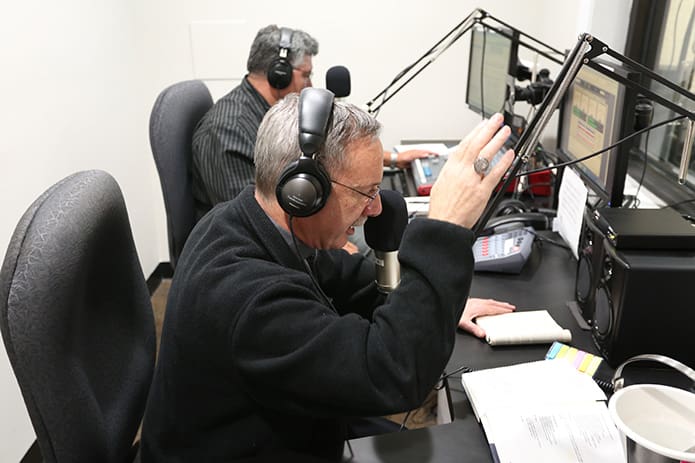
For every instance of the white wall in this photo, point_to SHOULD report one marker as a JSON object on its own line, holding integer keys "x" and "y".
{"x": 79, "y": 77}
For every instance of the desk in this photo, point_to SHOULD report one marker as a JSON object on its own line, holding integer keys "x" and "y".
{"x": 546, "y": 282}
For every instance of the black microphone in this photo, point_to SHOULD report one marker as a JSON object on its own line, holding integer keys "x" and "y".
{"x": 643, "y": 113}
{"x": 383, "y": 234}
{"x": 338, "y": 81}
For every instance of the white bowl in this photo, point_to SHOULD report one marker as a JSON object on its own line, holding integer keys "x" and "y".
{"x": 658, "y": 418}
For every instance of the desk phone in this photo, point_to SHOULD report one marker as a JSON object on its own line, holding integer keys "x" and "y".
{"x": 425, "y": 171}
{"x": 504, "y": 252}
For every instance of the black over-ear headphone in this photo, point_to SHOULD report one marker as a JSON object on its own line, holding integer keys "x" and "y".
{"x": 510, "y": 206}
{"x": 280, "y": 70}
{"x": 304, "y": 185}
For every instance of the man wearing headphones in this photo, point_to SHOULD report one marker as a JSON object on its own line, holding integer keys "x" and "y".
{"x": 274, "y": 337}
{"x": 279, "y": 63}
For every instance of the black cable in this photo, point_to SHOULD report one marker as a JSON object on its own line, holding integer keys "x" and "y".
{"x": 689, "y": 218}
{"x": 617, "y": 143}
{"x": 445, "y": 375}
{"x": 644, "y": 169}
{"x": 674, "y": 205}
{"x": 607, "y": 386}
{"x": 545, "y": 239}
{"x": 352, "y": 454}
{"x": 405, "y": 419}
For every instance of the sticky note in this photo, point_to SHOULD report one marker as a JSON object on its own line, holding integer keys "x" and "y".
{"x": 586, "y": 361}
{"x": 554, "y": 349}
{"x": 578, "y": 358}
{"x": 593, "y": 366}
{"x": 571, "y": 354}
{"x": 563, "y": 351}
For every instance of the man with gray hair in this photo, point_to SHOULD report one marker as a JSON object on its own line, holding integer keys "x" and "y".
{"x": 275, "y": 338}
{"x": 279, "y": 63}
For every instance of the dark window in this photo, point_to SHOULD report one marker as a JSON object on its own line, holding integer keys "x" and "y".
{"x": 661, "y": 36}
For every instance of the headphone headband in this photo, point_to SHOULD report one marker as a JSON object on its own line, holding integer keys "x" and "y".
{"x": 280, "y": 70}
{"x": 285, "y": 43}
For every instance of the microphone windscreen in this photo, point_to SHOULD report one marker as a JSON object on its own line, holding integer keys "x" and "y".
{"x": 384, "y": 232}
{"x": 338, "y": 81}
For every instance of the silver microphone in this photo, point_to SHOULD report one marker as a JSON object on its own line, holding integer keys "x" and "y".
{"x": 383, "y": 234}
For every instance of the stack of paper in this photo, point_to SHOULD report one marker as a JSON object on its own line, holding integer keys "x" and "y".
{"x": 543, "y": 411}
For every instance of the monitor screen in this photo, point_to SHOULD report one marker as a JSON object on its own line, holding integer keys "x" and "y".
{"x": 490, "y": 55}
{"x": 591, "y": 119}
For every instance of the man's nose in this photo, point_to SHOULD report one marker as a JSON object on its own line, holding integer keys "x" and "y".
{"x": 374, "y": 207}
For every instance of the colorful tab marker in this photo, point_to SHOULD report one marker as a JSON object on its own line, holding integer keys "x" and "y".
{"x": 581, "y": 360}
{"x": 585, "y": 362}
{"x": 554, "y": 349}
{"x": 563, "y": 351}
{"x": 593, "y": 366}
{"x": 578, "y": 358}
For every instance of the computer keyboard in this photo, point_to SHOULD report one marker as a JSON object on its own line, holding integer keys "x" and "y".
{"x": 505, "y": 252}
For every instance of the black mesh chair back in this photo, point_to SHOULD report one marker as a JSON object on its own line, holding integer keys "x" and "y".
{"x": 77, "y": 322}
{"x": 174, "y": 116}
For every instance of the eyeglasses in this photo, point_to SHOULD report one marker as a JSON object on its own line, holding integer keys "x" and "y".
{"x": 371, "y": 197}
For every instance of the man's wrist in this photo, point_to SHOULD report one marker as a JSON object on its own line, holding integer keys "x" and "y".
{"x": 394, "y": 160}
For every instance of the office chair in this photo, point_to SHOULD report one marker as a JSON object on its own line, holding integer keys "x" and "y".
{"x": 174, "y": 116}
{"x": 77, "y": 322}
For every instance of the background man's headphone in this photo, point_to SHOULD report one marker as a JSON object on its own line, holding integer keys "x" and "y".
{"x": 280, "y": 70}
{"x": 304, "y": 185}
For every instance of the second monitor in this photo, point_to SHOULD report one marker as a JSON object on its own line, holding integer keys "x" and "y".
{"x": 597, "y": 112}
{"x": 491, "y": 56}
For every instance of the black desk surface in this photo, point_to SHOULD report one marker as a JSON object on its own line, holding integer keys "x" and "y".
{"x": 546, "y": 282}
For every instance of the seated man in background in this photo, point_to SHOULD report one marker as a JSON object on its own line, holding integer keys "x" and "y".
{"x": 275, "y": 339}
{"x": 224, "y": 139}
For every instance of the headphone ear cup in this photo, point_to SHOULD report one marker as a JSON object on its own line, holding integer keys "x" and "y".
{"x": 303, "y": 187}
{"x": 280, "y": 74}
{"x": 510, "y": 206}
{"x": 280, "y": 70}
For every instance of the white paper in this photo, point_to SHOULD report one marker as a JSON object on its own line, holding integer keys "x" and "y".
{"x": 571, "y": 433}
{"x": 541, "y": 382}
{"x": 570, "y": 210}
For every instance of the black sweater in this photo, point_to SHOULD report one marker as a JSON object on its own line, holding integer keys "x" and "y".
{"x": 253, "y": 360}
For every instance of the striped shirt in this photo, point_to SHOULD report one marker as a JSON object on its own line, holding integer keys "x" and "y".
{"x": 223, "y": 145}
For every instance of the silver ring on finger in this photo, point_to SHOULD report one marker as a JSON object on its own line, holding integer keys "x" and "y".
{"x": 481, "y": 165}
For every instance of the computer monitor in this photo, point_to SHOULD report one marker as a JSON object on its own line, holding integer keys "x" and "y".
{"x": 596, "y": 112}
{"x": 490, "y": 56}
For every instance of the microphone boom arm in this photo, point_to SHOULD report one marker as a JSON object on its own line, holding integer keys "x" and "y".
{"x": 477, "y": 16}
{"x": 463, "y": 27}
